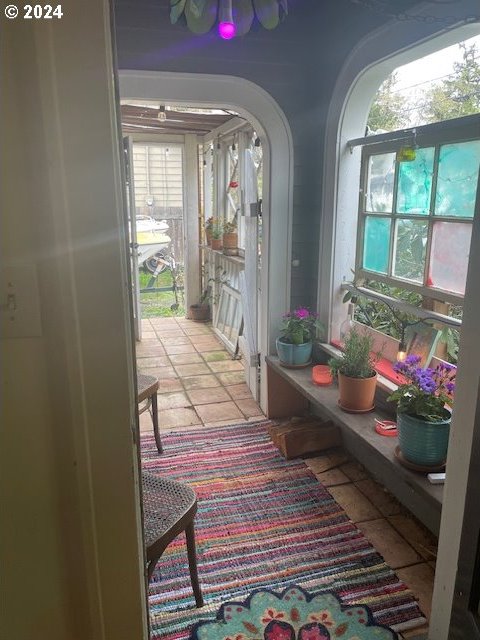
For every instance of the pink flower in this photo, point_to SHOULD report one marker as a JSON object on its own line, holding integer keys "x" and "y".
{"x": 302, "y": 313}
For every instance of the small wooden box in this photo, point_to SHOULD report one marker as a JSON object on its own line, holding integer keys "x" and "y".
{"x": 299, "y": 436}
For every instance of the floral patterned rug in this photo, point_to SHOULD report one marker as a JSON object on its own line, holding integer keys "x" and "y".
{"x": 293, "y": 614}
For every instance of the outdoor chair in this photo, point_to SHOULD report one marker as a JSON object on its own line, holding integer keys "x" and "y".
{"x": 169, "y": 508}
{"x": 147, "y": 387}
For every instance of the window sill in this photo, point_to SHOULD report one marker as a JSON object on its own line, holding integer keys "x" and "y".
{"x": 234, "y": 259}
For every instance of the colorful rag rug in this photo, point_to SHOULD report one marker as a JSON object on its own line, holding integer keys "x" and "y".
{"x": 262, "y": 523}
{"x": 291, "y": 615}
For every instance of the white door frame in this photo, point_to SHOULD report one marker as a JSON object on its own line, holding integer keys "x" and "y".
{"x": 255, "y": 104}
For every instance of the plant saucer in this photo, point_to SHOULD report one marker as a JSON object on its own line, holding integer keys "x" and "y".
{"x": 356, "y": 410}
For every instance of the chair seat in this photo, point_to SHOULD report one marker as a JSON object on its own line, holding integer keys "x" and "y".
{"x": 146, "y": 386}
{"x": 169, "y": 508}
{"x": 165, "y": 504}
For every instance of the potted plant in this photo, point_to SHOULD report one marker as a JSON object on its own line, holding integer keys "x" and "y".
{"x": 208, "y": 230}
{"x": 294, "y": 346}
{"x": 355, "y": 370}
{"x": 230, "y": 238}
{"x": 217, "y": 235}
{"x": 200, "y": 312}
{"x": 423, "y": 417}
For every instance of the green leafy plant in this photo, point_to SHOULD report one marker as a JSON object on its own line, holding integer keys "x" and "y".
{"x": 425, "y": 392}
{"x": 230, "y": 227}
{"x": 217, "y": 230}
{"x": 357, "y": 359}
{"x": 300, "y": 326}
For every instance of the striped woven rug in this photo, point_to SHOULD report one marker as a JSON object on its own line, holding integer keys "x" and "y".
{"x": 262, "y": 522}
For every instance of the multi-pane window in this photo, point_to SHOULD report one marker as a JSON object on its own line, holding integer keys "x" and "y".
{"x": 416, "y": 216}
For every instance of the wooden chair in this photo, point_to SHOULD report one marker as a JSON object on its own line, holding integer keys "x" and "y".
{"x": 169, "y": 508}
{"x": 147, "y": 387}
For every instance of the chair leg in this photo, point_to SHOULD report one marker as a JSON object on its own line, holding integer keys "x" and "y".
{"x": 156, "y": 432}
{"x": 192, "y": 564}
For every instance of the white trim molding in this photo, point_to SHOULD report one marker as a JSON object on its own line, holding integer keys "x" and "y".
{"x": 258, "y": 107}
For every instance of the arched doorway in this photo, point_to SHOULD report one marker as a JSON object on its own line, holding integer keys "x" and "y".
{"x": 251, "y": 101}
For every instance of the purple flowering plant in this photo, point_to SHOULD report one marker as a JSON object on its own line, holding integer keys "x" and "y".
{"x": 300, "y": 326}
{"x": 426, "y": 391}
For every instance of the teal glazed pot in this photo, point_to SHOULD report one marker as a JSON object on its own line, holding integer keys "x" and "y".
{"x": 294, "y": 354}
{"x": 421, "y": 442}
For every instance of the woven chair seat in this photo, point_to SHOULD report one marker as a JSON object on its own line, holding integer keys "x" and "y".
{"x": 147, "y": 387}
{"x": 169, "y": 508}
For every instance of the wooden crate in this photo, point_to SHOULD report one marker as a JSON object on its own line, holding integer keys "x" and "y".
{"x": 298, "y": 436}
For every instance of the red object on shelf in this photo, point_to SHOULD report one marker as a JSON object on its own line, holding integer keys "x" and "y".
{"x": 322, "y": 375}
{"x": 386, "y": 427}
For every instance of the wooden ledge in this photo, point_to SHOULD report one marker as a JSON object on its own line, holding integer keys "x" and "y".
{"x": 292, "y": 387}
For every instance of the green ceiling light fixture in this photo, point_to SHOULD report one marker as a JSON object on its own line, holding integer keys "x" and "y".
{"x": 234, "y": 17}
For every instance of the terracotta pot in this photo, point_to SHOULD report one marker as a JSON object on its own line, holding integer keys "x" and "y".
{"x": 230, "y": 240}
{"x": 208, "y": 236}
{"x": 217, "y": 244}
{"x": 357, "y": 394}
{"x": 199, "y": 312}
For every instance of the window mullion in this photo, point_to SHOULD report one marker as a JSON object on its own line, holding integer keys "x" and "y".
{"x": 431, "y": 214}
{"x": 393, "y": 224}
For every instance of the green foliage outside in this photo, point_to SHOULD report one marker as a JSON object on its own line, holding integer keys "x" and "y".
{"x": 458, "y": 95}
{"x": 159, "y": 304}
{"x": 387, "y": 111}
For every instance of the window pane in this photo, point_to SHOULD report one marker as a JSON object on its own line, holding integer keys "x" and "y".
{"x": 449, "y": 256}
{"x": 381, "y": 173}
{"x": 457, "y": 179}
{"x": 415, "y": 183}
{"x": 410, "y": 244}
{"x": 376, "y": 244}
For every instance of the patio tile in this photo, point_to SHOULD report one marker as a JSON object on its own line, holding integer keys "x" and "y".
{"x": 197, "y": 330}
{"x": 200, "y": 382}
{"x": 172, "y": 400}
{"x": 180, "y": 417}
{"x": 161, "y": 372}
{"x": 239, "y": 391}
{"x": 231, "y": 377}
{"x": 167, "y": 385}
{"x": 207, "y": 396}
{"x": 146, "y": 324}
{"x": 163, "y": 322}
{"x": 354, "y": 471}
{"x": 145, "y": 423}
{"x": 332, "y": 477}
{"x": 226, "y": 365}
{"x": 421, "y": 539}
{"x": 167, "y": 340}
{"x": 148, "y": 334}
{"x": 153, "y": 361}
{"x": 207, "y": 336}
{"x": 389, "y": 543}
{"x": 356, "y": 505}
{"x": 419, "y": 579}
{"x": 218, "y": 411}
{"x": 173, "y": 349}
{"x": 381, "y": 498}
{"x": 191, "y": 369}
{"x": 248, "y": 407}
{"x": 211, "y": 345}
{"x": 185, "y": 358}
{"x": 150, "y": 350}
{"x": 214, "y": 356}
{"x": 329, "y": 460}
{"x": 420, "y": 633}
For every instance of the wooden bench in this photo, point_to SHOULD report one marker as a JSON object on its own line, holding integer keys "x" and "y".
{"x": 291, "y": 392}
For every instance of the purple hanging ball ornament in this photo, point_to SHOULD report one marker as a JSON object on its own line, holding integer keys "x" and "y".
{"x": 227, "y": 30}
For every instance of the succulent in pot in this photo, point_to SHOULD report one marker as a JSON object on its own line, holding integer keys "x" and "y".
{"x": 355, "y": 370}
{"x": 208, "y": 230}
{"x": 230, "y": 238}
{"x": 217, "y": 235}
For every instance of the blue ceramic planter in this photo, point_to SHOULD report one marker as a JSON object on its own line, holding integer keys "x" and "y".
{"x": 294, "y": 354}
{"x": 423, "y": 443}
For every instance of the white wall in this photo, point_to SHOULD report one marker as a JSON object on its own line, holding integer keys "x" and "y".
{"x": 69, "y": 546}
